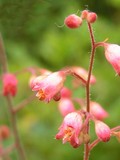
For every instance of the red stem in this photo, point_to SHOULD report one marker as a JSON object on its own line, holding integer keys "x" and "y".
{"x": 3, "y": 61}
{"x": 86, "y": 148}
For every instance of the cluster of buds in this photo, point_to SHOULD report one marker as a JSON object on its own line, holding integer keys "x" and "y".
{"x": 74, "y": 21}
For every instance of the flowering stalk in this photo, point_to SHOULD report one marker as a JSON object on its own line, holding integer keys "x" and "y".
{"x": 3, "y": 60}
{"x": 86, "y": 153}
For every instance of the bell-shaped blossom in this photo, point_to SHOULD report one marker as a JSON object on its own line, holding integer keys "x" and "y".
{"x": 98, "y": 111}
{"x": 102, "y": 130}
{"x": 9, "y": 84}
{"x": 83, "y": 73}
{"x": 70, "y": 129}
{"x": 48, "y": 86}
{"x": 66, "y": 106}
{"x": 112, "y": 53}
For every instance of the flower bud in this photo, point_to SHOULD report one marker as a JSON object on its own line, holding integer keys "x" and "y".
{"x": 98, "y": 111}
{"x": 4, "y": 132}
{"x": 84, "y": 14}
{"x": 112, "y": 53}
{"x": 9, "y": 84}
{"x": 102, "y": 130}
{"x": 73, "y": 21}
{"x": 91, "y": 17}
{"x": 66, "y": 106}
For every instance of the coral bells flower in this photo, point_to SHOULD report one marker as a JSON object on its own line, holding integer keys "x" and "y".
{"x": 9, "y": 84}
{"x": 73, "y": 21}
{"x": 112, "y": 53}
{"x": 70, "y": 129}
{"x": 97, "y": 111}
{"x": 47, "y": 87}
{"x": 102, "y": 130}
{"x": 66, "y": 106}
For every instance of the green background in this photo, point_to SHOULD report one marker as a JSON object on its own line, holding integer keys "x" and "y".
{"x": 32, "y": 38}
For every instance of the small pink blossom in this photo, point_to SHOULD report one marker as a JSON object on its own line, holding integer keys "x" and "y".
{"x": 9, "y": 84}
{"x": 48, "y": 86}
{"x": 70, "y": 129}
{"x": 102, "y": 130}
{"x": 65, "y": 106}
{"x": 98, "y": 111}
{"x": 112, "y": 53}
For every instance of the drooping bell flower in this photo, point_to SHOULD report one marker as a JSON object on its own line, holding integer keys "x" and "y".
{"x": 70, "y": 129}
{"x": 66, "y": 106}
{"x": 9, "y": 84}
{"x": 102, "y": 130}
{"x": 112, "y": 53}
{"x": 98, "y": 111}
{"x": 47, "y": 87}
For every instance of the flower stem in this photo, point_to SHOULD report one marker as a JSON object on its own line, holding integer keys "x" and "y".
{"x": 3, "y": 60}
{"x": 86, "y": 148}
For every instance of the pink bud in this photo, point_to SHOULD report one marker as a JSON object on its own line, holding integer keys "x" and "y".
{"x": 112, "y": 53}
{"x": 102, "y": 130}
{"x": 9, "y": 84}
{"x": 47, "y": 87}
{"x": 84, "y": 14}
{"x": 4, "y": 132}
{"x": 97, "y": 111}
{"x": 70, "y": 129}
{"x": 65, "y": 93}
{"x": 91, "y": 17}
{"x": 73, "y": 21}
{"x": 66, "y": 106}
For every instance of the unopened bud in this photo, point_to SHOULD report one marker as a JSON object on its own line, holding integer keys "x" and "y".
{"x": 91, "y": 17}
{"x": 4, "y": 132}
{"x": 84, "y": 14}
{"x": 73, "y": 21}
{"x": 102, "y": 130}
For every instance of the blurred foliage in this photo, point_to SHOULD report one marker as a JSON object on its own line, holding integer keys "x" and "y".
{"x": 32, "y": 36}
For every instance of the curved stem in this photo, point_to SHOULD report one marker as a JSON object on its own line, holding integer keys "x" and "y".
{"x": 23, "y": 103}
{"x": 93, "y": 144}
{"x": 86, "y": 148}
{"x": 3, "y": 61}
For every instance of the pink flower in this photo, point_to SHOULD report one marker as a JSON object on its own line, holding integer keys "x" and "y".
{"x": 49, "y": 86}
{"x": 112, "y": 53}
{"x": 65, "y": 106}
{"x": 97, "y": 111}
{"x": 70, "y": 129}
{"x": 9, "y": 84}
{"x": 102, "y": 130}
